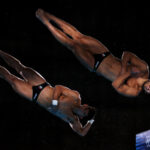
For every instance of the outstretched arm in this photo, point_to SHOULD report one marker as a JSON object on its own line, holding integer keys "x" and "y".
{"x": 123, "y": 88}
{"x": 78, "y": 128}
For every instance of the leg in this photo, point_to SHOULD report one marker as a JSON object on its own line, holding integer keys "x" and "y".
{"x": 58, "y": 34}
{"x": 88, "y": 43}
{"x": 20, "y": 86}
{"x": 66, "y": 27}
{"x": 84, "y": 47}
{"x": 29, "y": 75}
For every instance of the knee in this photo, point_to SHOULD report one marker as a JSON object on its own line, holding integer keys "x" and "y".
{"x": 12, "y": 79}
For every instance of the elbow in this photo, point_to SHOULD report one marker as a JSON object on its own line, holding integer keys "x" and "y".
{"x": 126, "y": 52}
{"x": 114, "y": 85}
{"x": 82, "y": 134}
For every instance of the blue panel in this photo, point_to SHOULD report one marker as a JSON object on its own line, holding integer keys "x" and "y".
{"x": 143, "y": 141}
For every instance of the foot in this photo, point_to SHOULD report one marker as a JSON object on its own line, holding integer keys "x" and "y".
{"x": 40, "y": 14}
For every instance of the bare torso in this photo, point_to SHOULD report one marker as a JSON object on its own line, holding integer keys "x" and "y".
{"x": 110, "y": 67}
{"x": 67, "y": 100}
{"x": 46, "y": 96}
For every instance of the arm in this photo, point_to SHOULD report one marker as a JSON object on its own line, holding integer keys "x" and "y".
{"x": 78, "y": 128}
{"x": 124, "y": 89}
{"x": 75, "y": 124}
{"x": 130, "y": 58}
{"x": 57, "y": 92}
{"x": 60, "y": 90}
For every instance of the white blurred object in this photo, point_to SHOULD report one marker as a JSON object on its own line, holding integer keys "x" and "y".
{"x": 54, "y": 102}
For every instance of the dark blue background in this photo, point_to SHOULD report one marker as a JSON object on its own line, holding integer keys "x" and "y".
{"x": 119, "y": 26}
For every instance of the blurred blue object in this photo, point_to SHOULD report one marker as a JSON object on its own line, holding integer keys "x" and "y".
{"x": 143, "y": 140}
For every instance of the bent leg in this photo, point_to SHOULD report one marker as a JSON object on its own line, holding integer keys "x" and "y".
{"x": 30, "y": 75}
{"x": 20, "y": 86}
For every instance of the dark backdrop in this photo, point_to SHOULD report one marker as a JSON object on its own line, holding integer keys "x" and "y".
{"x": 119, "y": 26}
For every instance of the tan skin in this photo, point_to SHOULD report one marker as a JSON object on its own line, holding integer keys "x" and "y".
{"x": 69, "y": 101}
{"x": 129, "y": 67}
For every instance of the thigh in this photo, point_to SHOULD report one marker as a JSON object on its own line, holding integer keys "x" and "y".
{"x": 86, "y": 58}
{"x": 21, "y": 87}
{"x": 92, "y": 45}
{"x": 31, "y": 76}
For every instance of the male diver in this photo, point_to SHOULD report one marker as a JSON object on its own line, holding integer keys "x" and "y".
{"x": 59, "y": 100}
{"x": 129, "y": 75}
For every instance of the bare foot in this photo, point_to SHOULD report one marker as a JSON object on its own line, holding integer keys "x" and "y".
{"x": 40, "y": 14}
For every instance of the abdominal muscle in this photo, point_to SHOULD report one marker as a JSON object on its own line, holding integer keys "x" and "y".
{"x": 110, "y": 68}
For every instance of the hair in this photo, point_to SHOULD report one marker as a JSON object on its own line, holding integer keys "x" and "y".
{"x": 145, "y": 83}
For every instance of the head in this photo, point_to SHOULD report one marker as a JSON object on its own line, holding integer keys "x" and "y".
{"x": 146, "y": 86}
{"x": 85, "y": 111}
